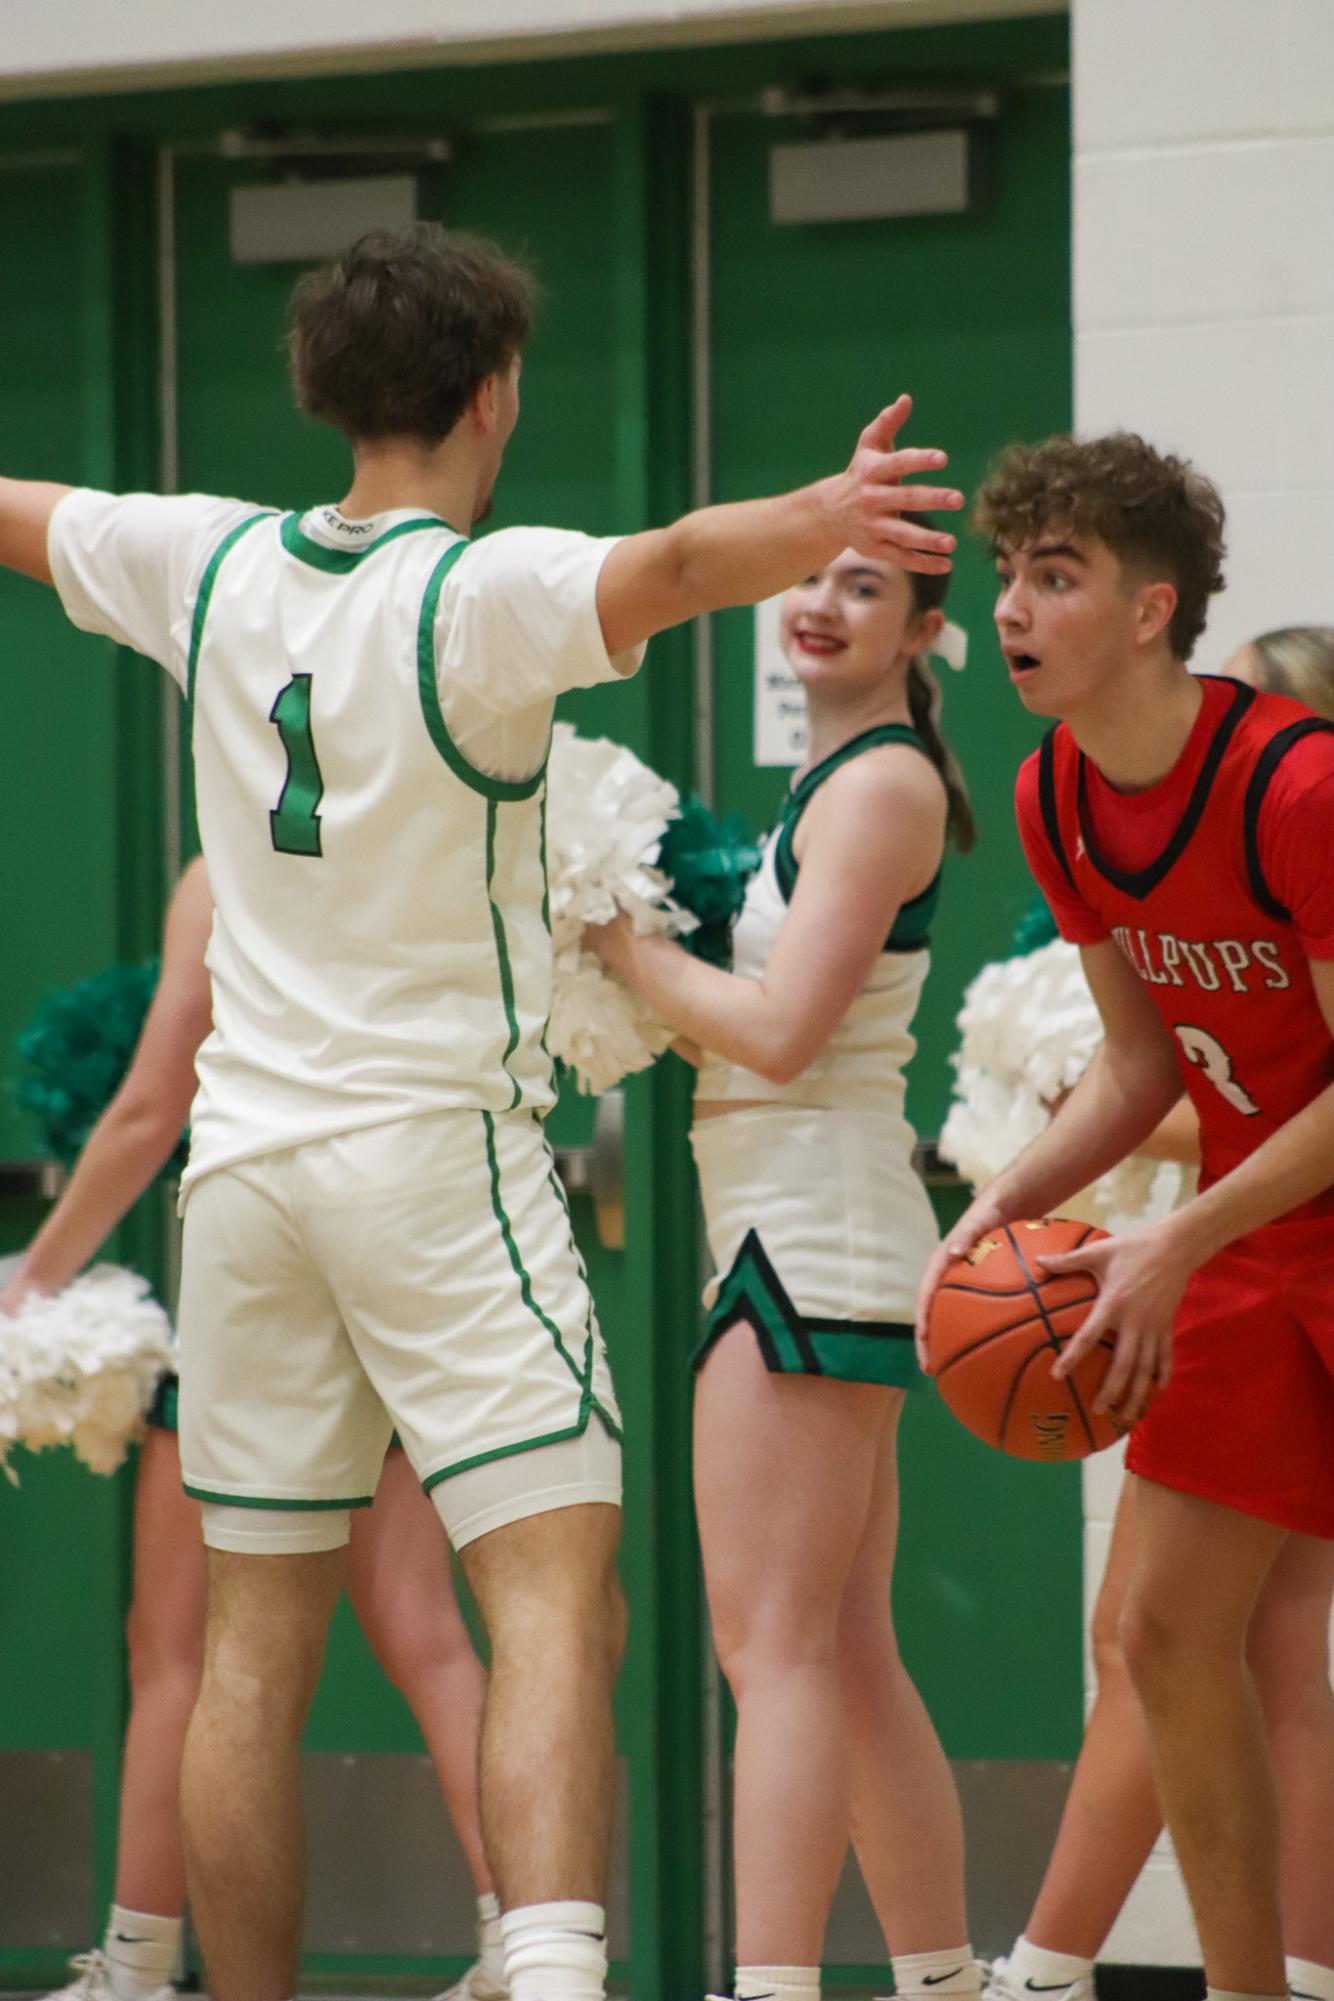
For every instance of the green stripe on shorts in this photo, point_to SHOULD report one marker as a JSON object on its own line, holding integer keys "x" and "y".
{"x": 280, "y": 1507}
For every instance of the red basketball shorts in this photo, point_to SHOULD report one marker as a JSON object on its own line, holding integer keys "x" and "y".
{"x": 1247, "y": 1418}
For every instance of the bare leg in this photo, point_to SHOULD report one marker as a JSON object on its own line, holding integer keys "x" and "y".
{"x": 165, "y": 1632}
{"x": 784, "y": 1476}
{"x": 1111, "y": 1818}
{"x": 1197, "y": 1574}
{"x": 548, "y": 1592}
{"x": 402, "y": 1591}
{"x": 241, "y": 1786}
{"x": 906, "y": 1824}
{"x": 1289, "y": 1656}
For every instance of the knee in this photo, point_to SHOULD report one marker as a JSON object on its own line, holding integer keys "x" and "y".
{"x": 416, "y": 1646}
{"x": 758, "y": 1637}
{"x": 1158, "y": 1643}
{"x": 870, "y": 1667}
{"x": 163, "y": 1653}
{"x": 1106, "y": 1645}
{"x": 1289, "y": 1659}
{"x": 574, "y": 1617}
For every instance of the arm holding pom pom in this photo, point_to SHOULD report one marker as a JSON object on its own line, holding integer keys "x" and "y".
{"x": 869, "y": 840}
{"x": 141, "y": 1127}
{"x": 709, "y": 861}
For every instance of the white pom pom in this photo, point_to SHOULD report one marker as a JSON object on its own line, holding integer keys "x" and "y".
{"x": 599, "y": 1030}
{"x": 606, "y": 815}
{"x": 79, "y": 1367}
{"x": 1030, "y": 1029}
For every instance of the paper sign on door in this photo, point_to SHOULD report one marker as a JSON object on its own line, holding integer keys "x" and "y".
{"x": 780, "y": 705}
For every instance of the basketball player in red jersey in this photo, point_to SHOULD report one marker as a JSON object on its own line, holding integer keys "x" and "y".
{"x": 1182, "y": 829}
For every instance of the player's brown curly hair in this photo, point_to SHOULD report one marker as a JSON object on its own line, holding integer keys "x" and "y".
{"x": 1156, "y": 513}
{"x": 394, "y": 338}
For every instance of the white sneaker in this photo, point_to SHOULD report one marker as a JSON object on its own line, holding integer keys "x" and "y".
{"x": 475, "y": 1985}
{"x": 94, "y": 1981}
{"x": 1001, "y": 1986}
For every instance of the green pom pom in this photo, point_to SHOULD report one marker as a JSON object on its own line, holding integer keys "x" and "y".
{"x": 710, "y": 861}
{"x": 1036, "y": 928}
{"x": 75, "y": 1052}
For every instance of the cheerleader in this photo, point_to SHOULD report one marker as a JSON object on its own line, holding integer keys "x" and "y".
{"x": 819, "y": 1230}
{"x": 399, "y": 1577}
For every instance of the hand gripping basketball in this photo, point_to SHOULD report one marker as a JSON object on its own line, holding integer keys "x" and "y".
{"x": 996, "y": 1326}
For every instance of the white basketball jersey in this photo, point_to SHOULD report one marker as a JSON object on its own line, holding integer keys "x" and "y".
{"x": 381, "y": 945}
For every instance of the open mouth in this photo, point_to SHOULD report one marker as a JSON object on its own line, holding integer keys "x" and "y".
{"x": 1022, "y": 663}
{"x": 821, "y": 643}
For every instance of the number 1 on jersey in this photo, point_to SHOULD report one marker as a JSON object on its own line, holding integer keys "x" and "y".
{"x": 294, "y": 822}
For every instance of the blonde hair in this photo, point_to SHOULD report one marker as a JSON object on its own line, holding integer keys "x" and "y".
{"x": 1298, "y": 660}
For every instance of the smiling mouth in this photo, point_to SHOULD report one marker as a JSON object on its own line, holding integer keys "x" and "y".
{"x": 818, "y": 642}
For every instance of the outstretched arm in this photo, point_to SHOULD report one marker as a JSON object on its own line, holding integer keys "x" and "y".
{"x": 748, "y": 551}
{"x": 26, "y": 507}
{"x": 872, "y": 838}
{"x": 140, "y": 1128}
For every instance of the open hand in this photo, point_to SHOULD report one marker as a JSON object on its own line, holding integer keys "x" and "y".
{"x": 1141, "y": 1277}
{"x": 872, "y": 497}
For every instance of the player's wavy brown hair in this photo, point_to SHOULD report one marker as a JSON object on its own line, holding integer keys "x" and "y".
{"x": 1156, "y": 513}
{"x": 395, "y": 337}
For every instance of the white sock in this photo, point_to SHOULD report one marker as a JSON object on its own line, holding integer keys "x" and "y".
{"x": 141, "y": 1950}
{"x": 1308, "y": 1981}
{"x": 555, "y": 1952}
{"x": 1033, "y": 1967}
{"x": 490, "y": 1945}
{"x": 931, "y": 1974}
{"x": 782, "y": 1983}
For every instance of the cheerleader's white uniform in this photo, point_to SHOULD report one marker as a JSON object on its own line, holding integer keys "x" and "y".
{"x": 817, "y": 1221}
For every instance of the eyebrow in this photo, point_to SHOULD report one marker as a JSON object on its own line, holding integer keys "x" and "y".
{"x": 863, "y": 570}
{"x": 1067, "y": 549}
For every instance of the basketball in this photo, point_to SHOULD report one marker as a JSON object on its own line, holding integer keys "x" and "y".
{"x": 998, "y": 1323}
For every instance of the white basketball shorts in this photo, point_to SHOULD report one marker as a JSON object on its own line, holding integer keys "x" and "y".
{"x": 420, "y": 1276}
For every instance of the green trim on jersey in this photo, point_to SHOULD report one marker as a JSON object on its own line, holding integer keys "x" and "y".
{"x": 429, "y": 690}
{"x": 206, "y": 583}
{"x": 912, "y": 923}
{"x": 588, "y": 1402}
{"x": 799, "y": 1344}
{"x": 502, "y": 955}
{"x": 281, "y": 1507}
{"x": 337, "y": 562}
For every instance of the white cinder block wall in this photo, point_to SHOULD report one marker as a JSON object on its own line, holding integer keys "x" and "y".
{"x": 1204, "y": 317}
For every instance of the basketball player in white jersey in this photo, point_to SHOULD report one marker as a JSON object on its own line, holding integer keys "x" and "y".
{"x": 373, "y": 1233}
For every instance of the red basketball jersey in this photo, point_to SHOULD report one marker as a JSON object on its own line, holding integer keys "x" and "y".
{"x": 1206, "y": 933}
